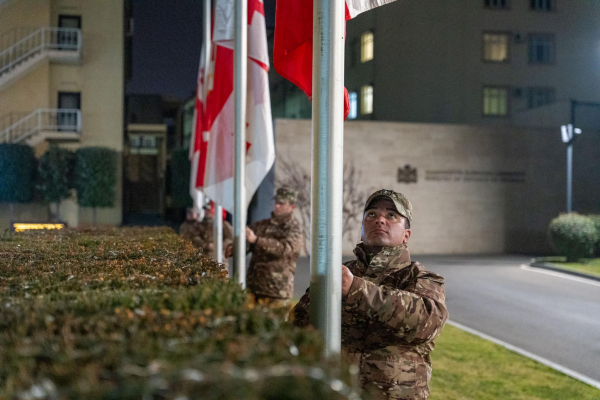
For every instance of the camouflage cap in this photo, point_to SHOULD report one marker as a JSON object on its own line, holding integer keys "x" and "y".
{"x": 402, "y": 204}
{"x": 286, "y": 195}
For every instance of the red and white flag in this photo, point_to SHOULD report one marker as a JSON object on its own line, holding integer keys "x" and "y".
{"x": 293, "y": 47}
{"x": 198, "y": 143}
{"x": 219, "y": 118}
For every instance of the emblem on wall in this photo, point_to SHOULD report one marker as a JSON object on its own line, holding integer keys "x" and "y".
{"x": 407, "y": 174}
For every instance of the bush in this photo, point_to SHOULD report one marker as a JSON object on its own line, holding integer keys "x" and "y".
{"x": 133, "y": 313}
{"x": 96, "y": 177}
{"x": 17, "y": 173}
{"x": 54, "y": 171}
{"x": 573, "y": 235}
{"x": 180, "y": 178}
{"x": 596, "y": 220}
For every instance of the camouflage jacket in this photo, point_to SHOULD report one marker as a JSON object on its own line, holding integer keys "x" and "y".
{"x": 201, "y": 234}
{"x": 273, "y": 263}
{"x": 393, "y": 312}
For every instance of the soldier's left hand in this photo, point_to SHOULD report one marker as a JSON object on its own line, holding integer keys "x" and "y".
{"x": 250, "y": 235}
{"x": 347, "y": 278}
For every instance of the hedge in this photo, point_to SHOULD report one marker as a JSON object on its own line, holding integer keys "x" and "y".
{"x": 180, "y": 178}
{"x": 54, "y": 173}
{"x": 137, "y": 313}
{"x": 17, "y": 173}
{"x": 573, "y": 235}
{"x": 596, "y": 220}
{"x": 96, "y": 177}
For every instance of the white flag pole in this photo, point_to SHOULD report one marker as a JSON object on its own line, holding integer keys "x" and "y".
{"x": 327, "y": 172}
{"x": 239, "y": 208}
{"x": 217, "y": 222}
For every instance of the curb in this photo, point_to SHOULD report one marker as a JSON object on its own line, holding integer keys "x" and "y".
{"x": 550, "y": 267}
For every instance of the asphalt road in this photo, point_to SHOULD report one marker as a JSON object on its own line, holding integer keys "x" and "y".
{"x": 552, "y": 317}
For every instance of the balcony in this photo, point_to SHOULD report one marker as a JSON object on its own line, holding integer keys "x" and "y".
{"x": 56, "y": 44}
{"x": 42, "y": 124}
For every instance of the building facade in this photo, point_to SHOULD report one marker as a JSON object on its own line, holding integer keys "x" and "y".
{"x": 61, "y": 80}
{"x": 474, "y": 62}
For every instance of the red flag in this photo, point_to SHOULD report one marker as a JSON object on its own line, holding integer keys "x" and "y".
{"x": 293, "y": 49}
{"x": 260, "y": 148}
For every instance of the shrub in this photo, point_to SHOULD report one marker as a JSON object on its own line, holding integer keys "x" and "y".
{"x": 17, "y": 174}
{"x": 573, "y": 235}
{"x": 54, "y": 170}
{"x": 596, "y": 220}
{"x": 96, "y": 177}
{"x": 133, "y": 313}
{"x": 180, "y": 178}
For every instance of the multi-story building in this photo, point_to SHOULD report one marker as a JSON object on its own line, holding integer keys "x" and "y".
{"x": 501, "y": 62}
{"x": 61, "y": 80}
{"x": 474, "y": 62}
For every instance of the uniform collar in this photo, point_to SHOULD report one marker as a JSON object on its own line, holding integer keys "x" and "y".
{"x": 279, "y": 219}
{"x": 388, "y": 257}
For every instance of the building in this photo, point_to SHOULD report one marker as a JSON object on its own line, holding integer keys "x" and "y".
{"x": 61, "y": 80}
{"x": 474, "y": 62}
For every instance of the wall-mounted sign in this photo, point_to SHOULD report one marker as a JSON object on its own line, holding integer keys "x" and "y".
{"x": 407, "y": 174}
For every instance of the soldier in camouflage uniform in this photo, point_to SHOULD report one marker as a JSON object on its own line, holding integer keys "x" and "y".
{"x": 392, "y": 307}
{"x": 275, "y": 244}
{"x": 191, "y": 228}
{"x": 200, "y": 233}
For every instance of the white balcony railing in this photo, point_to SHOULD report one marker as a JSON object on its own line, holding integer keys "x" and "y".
{"x": 54, "y": 121}
{"x": 56, "y": 40}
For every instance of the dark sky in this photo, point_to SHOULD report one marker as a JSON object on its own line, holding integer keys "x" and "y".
{"x": 166, "y": 46}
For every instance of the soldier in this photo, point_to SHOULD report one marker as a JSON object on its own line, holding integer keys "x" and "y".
{"x": 275, "y": 244}
{"x": 206, "y": 237}
{"x": 191, "y": 227}
{"x": 392, "y": 307}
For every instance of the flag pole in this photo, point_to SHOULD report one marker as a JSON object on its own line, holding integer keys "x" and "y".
{"x": 217, "y": 222}
{"x": 240, "y": 89}
{"x": 327, "y": 171}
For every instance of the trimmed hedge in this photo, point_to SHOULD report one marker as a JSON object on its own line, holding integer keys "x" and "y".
{"x": 96, "y": 177}
{"x": 137, "y": 313}
{"x": 573, "y": 235}
{"x": 17, "y": 173}
{"x": 596, "y": 220}
{"x": 54, "y": 172}
{"x": 180, "y": 178}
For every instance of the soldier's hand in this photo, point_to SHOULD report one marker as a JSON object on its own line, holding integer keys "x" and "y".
{"x": 250, "y": 235}
{"x": 211, "y": 246}
{"x": 347, "y": 279}
{"x": 228, "y": 251}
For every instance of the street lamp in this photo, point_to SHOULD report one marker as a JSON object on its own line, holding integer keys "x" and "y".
{"x": 568, "y": 137}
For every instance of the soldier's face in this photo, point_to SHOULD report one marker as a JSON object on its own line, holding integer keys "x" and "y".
{"x": 283, "y": 208}
{"x": 383, "y": 226}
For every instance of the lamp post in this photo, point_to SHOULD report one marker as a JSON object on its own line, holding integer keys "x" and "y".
{"x": 568, "y": 134}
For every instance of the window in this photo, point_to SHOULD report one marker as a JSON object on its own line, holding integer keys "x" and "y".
{"x": 496, "y": 4}
{"x": 541, "y": 48}
{"x": 353, "y": 105}
{"x": 366, "y": 100}
{"x": 540, "y": 96}
{"x": 366, "y": 47}
{"x": 495, "y": 47}
{"x": 542, "y": 5}
{"x": 67, "y": 36}
{"x": 67, "y": 116}
{"x": 495, "y": 101}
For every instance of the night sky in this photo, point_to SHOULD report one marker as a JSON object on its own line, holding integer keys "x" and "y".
{"x": 166, "y": 46}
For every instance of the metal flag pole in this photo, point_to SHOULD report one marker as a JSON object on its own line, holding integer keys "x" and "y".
{"x": 239, "y": 190}
{"x": 218, "y": 233}
{"x": 327, "y": 172}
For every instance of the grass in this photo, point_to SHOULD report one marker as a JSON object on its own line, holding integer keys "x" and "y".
{"x": 590, "y": 266}
{"x": 468, "y": 367}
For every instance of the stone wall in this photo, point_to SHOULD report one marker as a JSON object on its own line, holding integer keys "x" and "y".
{"x": 478, "y": 189}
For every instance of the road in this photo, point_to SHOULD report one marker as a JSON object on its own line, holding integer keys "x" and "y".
{"x": 550, "y": 316}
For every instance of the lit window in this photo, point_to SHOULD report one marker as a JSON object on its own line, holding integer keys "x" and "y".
{"x": 366, "y": 47}
{"x": 495, "y": 47}
{"x": 353, "y": 105}
{"x": 540, "y": 96}
{"x": 495, "y": 101}
{"x": 497, "y": 4}
{"x": 542, "y": 5}
{"x": 541, "y": 48}
{"x": 366, "y": 100}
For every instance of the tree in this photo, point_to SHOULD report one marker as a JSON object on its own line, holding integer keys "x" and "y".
{"x": 17, "y": 175}
{"x": 291, "y": 174}
{"x": 54, "y": 172}
{"x": 96, "y": 177}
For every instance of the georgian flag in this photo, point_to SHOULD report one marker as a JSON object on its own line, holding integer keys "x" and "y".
{"x": 219, "y": 118}
{"x": 293, "y": 47}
